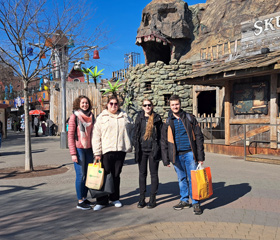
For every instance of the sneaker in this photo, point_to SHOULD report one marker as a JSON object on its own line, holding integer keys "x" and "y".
{"x": 181, "y": 205}
{"x": 196, "y": 209}
{"x": 98, "y": 207}
{"x": 83, "y": 206}
{"x": 117, "y": 203}
{"x": 89, "y": 203}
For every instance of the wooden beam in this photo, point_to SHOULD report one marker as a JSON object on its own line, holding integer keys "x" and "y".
{"x": 250, "y": 121}
{"x": 249, "y": 134}
{"x": 227, "y": 112}
{"x": 273, "y": 110}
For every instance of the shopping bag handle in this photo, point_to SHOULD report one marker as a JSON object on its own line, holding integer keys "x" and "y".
{"x": 97, "y": 162}
{"x": 199, "y": 166}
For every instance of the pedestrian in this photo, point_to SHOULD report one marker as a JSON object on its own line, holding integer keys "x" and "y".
{"x": 182, "y": 144}
{"x": 36, "y": 125}
{"x": 43, "y": 125}
{"x": 79, "y": 141}
{"x": 110, "y": 143}
{"x": 50, "y": 124}
{"x": 147, "y": 150}
{"x": 1, "y": 132}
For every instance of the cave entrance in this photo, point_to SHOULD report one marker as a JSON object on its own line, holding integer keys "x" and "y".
{"x": 156, "y": 51}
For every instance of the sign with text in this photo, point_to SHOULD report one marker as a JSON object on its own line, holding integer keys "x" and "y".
{"x": 263, "y": 32}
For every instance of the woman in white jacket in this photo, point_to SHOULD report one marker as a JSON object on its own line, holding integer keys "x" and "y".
{"x": 110, "y": 143}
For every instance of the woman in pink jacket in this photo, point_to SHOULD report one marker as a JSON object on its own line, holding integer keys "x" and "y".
{"x": 79, "y": 142}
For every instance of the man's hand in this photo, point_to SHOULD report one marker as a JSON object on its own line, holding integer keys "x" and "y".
{"x": 74, "y": 158}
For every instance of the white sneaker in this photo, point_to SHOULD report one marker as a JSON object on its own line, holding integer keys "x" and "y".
{"x": 98, "y": 207}
{"x": 117, "y": 203}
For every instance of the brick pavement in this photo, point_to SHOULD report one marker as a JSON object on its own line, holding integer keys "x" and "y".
{"x": 245, "y": 204}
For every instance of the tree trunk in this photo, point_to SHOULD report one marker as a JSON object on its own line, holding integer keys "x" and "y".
{"x": 28, "y": 153}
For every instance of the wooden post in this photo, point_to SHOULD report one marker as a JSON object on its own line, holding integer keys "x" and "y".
{"x": 273, "y": 110}
{"x": 229, "y": 48}
{"x": 217, "y": 52}
{"x": 227, "y": 113}
{"x": 211, "y": 54}
{"x": 223, "y": 50}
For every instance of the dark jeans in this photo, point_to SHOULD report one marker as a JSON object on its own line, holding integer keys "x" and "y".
{"x": 85, "y": 156}
{"x": 112, "y": 162}
{"x": 153, "y": 166}
{"x": 51, "y": 130}
{"x": 36, "y": 130}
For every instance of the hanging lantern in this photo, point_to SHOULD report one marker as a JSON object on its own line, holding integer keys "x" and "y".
{"x": 70, "y": 43}
{"x": 40, "y": 99}
{"x": 86, "y": 56}
{"x": 43, "y": 56}
{"x": 48, "y": 42}
{"x": 29, "y": 51}
{"x": 46, "y": 88}
{"x": 96, "y": 54}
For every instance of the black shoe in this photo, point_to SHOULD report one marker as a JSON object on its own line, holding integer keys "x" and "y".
{"x": 196, "y": 209}
{"x": 181, "y": 205}
{"x": 152, "y": 201}
{"x": 141, "y": 204}
{"x": 83, "y": 206}
{"x": 89, "y": 203}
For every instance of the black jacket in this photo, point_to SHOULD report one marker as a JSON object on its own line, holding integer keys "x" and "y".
{"x": 156, "y": 151}
{"x": 168, "y": 148}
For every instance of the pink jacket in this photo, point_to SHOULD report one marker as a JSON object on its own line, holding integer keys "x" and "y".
{"x": 72, "y": 142}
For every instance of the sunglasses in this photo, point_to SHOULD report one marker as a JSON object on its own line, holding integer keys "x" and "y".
{"x": 147, "y": 105}
{"x": 113, "y": 104}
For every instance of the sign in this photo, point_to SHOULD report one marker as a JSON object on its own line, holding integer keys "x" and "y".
{"x": 263, "y": 32}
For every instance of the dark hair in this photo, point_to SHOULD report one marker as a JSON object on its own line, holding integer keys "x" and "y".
{"x": 77, "y": 101}
{"x": 175, "y": 98}
{"x": 113, "y": 97}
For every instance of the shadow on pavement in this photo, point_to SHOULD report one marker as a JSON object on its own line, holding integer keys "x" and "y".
{"x": 167, "y": 192}
{"x": 223, "y": 195}
{"x": 12, "y": 188}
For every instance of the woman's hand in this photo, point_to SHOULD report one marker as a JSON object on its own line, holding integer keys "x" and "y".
{"x": 74, "y": 158}
{"x": 98, "y": 157}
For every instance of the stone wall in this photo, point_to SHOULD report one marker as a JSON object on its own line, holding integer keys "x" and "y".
{"x": 160, "y": 77}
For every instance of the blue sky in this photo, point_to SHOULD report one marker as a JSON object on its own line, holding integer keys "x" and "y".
{"x": 122, "y": 19}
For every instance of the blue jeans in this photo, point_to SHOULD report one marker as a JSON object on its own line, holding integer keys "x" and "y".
{"x": 183, "y": 166}
{"x": 85, "y": 156}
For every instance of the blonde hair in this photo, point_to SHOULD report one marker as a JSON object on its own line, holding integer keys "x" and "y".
{"x": 150, "y": 124}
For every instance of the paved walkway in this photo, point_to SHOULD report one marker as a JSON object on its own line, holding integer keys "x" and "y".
{"x": 245, "y": 204}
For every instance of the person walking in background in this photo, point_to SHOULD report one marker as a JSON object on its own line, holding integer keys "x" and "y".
{"x": 36, "y": 125}
{"x": 50, "y": 124}
{"x": 182, "y": 144}
{"x": 147, "y": 149}
{"x": 110, "y": 143}
{"x": 43, "y": 125}
{"x": 79, "y": 141}
{"x": 1, "y": 132}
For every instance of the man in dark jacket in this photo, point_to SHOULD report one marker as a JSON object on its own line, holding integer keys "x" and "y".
{"x": 182, "y": 144}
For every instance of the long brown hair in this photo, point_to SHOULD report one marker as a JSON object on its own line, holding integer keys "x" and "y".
{"x": 76, "y": 103}
{"x": 150, "y": 124}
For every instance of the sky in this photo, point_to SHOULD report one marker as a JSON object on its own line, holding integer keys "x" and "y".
{"x": 122, "y": 19}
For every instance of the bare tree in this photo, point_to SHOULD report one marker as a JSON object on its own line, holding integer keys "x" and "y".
{"x": 26, "y": 24}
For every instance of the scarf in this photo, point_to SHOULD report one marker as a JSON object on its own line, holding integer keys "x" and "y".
{"x": 84, "y": 122}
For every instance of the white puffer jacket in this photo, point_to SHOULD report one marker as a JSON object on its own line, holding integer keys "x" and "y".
{"x": 111, "y": 133}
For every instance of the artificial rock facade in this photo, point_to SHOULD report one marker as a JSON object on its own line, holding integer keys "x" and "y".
{"x": 156, "y": 82}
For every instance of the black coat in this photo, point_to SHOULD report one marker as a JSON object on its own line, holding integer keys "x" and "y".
{"x": 156, "y": 151}
{"x": 168, "y": 148}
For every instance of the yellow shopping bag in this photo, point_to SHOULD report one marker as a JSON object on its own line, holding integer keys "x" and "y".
{"x": 95, "y": 176}
{"x": 201, "y": 183}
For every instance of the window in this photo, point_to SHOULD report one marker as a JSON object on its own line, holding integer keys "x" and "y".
{"x": 76, "y": 80}
{"x": 166, "y": 99}
{"x": 148, "y": 86}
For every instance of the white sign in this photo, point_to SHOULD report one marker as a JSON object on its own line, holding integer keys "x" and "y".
{"x": 266, "y": 25}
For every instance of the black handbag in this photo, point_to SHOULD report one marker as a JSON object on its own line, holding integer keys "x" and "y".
{"x": 107, "y": 188}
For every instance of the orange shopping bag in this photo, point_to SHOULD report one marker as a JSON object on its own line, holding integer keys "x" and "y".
{"x": 201, "y": 183}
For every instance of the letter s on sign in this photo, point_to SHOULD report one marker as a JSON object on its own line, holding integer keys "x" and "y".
{"x": 258, "y": 27}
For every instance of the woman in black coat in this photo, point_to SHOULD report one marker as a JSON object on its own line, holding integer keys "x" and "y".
{"x": 147, "y": 150}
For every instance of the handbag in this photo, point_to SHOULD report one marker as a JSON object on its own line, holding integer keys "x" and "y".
{"x": 95, "y": 175}
{"x": 107, "y": 188}
{"x": 201, "y": 183}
